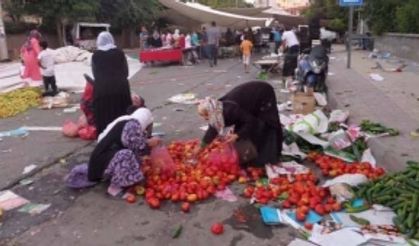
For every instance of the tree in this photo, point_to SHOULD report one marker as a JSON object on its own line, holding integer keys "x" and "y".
{"x": 127, "y": 15}
{"x": 59, "y": 13}
{"x": 407, "y": 17}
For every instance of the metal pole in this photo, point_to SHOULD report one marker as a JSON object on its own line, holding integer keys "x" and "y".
{"x": 3, "y": 45}
{"x": 350, "y": 28}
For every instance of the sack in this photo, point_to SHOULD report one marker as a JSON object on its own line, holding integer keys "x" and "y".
{"x": 161, "y": 159}
{"x": 225, "y": 158}
{"x": 70, "y": 129}
{"x": 246, "y": 150}
{"x": 88, "y": 133}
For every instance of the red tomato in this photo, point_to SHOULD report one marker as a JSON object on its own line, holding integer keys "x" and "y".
{"x": 308, "y": 226}
{"x": 153, "y": 202}
{"x": 192, "y": 198}
{"x": 300, "y": 216}
{"x": 217, "y": 229}
{"x": 319, "y": 209}
{"x": 130, "y": 198}
{"x": 186, "y": 206}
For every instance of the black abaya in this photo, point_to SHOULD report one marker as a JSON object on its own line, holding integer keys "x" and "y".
{"x": 111, "y": 96}
{"x": 252, "y": 109}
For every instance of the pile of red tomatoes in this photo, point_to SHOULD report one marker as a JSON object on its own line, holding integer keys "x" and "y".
{"x": 333, "y": 167}
{"x": 190, "y": 182}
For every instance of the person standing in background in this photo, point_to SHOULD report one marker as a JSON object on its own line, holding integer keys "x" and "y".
{"x": 46, "y": 62}
{"x": 277, "y": 39}
{"x": 29, "y": 54}
{"x": 144, "y": 38}
{"x": 292, "y": 48}
{"x": 246, "y": 47}
{"x": 214, "y": 35}
{"x": 111, "y": 94}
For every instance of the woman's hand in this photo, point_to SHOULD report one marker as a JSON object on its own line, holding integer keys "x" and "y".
{"x": 153, "y": 142}
{"x": 231, "y": 137}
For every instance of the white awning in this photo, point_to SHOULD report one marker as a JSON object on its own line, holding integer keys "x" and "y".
{"x": 205, "y": 14}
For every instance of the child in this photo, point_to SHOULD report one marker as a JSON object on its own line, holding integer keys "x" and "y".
{"x": 46, "y": 62}
{"x": 246, "y": 48}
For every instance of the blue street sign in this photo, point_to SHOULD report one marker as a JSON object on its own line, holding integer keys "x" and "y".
{"x": 345, "y": 3}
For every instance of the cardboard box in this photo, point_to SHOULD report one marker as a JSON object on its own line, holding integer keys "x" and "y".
{"x": 303, "y": 103}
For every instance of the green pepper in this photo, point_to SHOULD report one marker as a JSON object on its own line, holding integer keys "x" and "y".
{"x": 358, "y": 220}
{"x": 178, "y": 230}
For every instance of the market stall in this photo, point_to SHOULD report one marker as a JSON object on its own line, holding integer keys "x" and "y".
{"x": 161, "y": 55}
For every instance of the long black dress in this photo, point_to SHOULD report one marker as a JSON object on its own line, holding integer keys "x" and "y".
{"x": 111, "y": 96}
{"x": 252, "y": 109}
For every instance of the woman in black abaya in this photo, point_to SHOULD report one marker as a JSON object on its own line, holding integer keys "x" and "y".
{"x": 112, "y": 95}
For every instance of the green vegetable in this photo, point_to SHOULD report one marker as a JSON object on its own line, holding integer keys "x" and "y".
{"x": 178, "y": 230}
{"x": 358, "y": 220}
{"x": 362, "y": 208}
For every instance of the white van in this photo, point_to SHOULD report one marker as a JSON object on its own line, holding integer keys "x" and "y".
{"x": 84, "y": 34}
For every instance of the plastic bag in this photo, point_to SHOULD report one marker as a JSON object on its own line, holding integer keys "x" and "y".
{"x": 70, "y": 129}
{"x": 87, "y": 133}
{"x": 82, "y": 122}
{"x": 161, "y": 159}
{"x": 225, "y": 158}
{"x": 339, "y": 140}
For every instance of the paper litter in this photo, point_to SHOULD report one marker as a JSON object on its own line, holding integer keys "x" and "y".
{"x": 33, "y": 208}
{"x": 9, "y": 200}
{"x": 29, "y": 168}
{"x": 187, "y": 98}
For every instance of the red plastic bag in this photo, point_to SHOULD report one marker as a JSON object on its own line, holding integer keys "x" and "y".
{"x": 161, "y": 159}
{"x": 88, "y": 133}
{"x": 70, "y": 129}
{"x": 82, "y": 122}
{"x": 225, "y": 158}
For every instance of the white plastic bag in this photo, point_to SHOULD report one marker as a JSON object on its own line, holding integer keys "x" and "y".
{"x": 313, "y": 123}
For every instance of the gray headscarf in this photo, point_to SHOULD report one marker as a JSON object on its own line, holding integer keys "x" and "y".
{"x": 105, "y": 41}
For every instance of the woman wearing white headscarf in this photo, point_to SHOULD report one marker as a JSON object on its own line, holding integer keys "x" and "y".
{"x": 120, "y": 147}
{"x": 112, "y": 95}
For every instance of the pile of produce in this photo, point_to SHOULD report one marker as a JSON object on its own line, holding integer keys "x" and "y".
{"x": 18, "y": 101}
{"x": 300, "y": 192}
{"x": 188, "y": 182}
{"x": 333, "y": 167}
{"x": 399, "y": 191}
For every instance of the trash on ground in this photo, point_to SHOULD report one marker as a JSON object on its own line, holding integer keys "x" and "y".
{"x": 376, "y": 77}
{"x": 33, "y": 208}
{"x": 226, "y": 195}
{"x": 321, "y": 99}
{"x": 186, "y": 98}
{"x": 43, "y": 128}
{"x": 61, "y": 100}
{"x": 340, "y": 237}
{"x": 29, "y": 168}
{"x": 9, "y": 200}
{"x": 301, "y": 242}
{"x": 339, "y": 116}
{"x": 270, "y": 215}
{"x": 316, "y": 122}
{"x": 292, "y": 150}
{"x": 285, "y": 168}
{"x": 354, "y": 179}
{"x": 25, "y": 182}
{"x": 71, "y": 110}
{"x": 341, "y": 191}
{"x": 19, "y": 132}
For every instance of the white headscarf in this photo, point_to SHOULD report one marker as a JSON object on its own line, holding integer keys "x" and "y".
{"x": 142, "y": 115}
{"x": 105, "y": 41}
{"x": 176, "y": 35}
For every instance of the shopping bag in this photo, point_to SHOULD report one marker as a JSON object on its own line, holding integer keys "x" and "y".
{"x": 70, "y": 129}
{"x": 224, "y": 158}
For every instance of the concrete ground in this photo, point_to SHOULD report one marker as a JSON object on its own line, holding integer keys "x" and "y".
{"x": 90, "y": 217}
